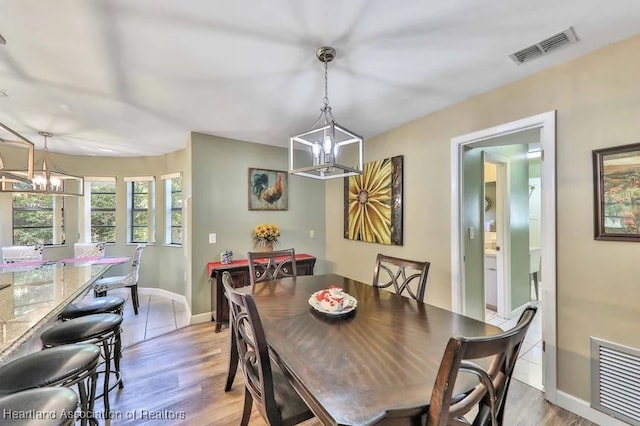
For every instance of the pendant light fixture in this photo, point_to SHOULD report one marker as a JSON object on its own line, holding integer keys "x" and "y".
{"x": 47, "y": 179}
{"x": 9, "y": 178}
{"x": 51, "y": 179}
{"x": 321, "y": 152}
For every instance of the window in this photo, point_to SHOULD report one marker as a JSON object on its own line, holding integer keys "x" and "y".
{"x": 173, "y": 208}
{"x": 140, "y": 210}
{"x": 37, "y": 219}
{"x": 102, "y": 211}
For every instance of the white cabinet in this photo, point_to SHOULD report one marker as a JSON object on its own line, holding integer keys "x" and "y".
{"x": 490, "y": 281}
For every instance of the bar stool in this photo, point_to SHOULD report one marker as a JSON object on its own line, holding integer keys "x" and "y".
{"x": 98, "y": 305}
{"x": 63, "y": 366}
{"x": 100, "y": 329}
{"x": 59, "y": 401}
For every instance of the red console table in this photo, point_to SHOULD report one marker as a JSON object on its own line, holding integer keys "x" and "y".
{"x": 239, "y": 270}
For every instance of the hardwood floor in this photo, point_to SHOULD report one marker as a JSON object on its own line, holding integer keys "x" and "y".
{"x": 178, "y": 379}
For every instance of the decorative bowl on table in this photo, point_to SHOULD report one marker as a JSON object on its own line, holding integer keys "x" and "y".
{"x": 333, "y": 301}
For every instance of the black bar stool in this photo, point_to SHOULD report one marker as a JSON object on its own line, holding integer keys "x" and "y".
{"x": 100, "y": 329}
{"x": 98, "y": 305}
{"x": 61, "y": 366}
{"x": 61, "y": 403}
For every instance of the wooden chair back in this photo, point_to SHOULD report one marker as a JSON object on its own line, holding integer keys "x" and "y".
{"x": 277, "y": 401}
{"x": 488, "y": 396}
{"x": 267, "y": 266}
{"x": 406, "y": 276}
{"x": 491, "y": 392}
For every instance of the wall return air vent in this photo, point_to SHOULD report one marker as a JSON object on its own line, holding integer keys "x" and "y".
{"x": 545, "y": 46}
{"x": 615, "y": 380}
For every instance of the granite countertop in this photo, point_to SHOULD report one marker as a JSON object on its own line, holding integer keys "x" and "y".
{"x": 34, "y": 296}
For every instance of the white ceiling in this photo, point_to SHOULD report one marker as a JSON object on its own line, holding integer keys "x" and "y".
{"x": 134, "y": 77}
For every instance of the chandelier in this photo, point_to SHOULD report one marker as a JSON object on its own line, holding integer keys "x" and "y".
{"x": 50, "y": 179}
{"x": 319, "y": 152}
{"x": 9, "y": 178}
{"x": 47, "y": 179}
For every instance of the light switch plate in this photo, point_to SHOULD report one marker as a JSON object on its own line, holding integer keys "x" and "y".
{"x": 212, "y": 238}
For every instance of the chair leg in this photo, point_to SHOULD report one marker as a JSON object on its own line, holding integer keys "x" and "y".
{"x": 233, "y": 361}
{"x": 84, "y": 403}
{"x": 134, "y": 298}
{"x": 93, "y": 382}
{"x": 246, "y": 412}
{"x": 107, "y": 372}
{"x": 117, "y": 355}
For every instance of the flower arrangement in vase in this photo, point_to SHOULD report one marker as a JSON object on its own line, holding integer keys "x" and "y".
{"x": 265, "y": 236}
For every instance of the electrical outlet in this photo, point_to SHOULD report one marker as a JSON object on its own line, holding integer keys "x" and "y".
{"x": 212, "y": 238}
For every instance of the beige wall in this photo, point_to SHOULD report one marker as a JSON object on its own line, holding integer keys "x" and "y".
{"x": 171, "y": 276}
{"x": 597, "y": 98}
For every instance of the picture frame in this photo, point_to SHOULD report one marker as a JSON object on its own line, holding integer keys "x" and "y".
{"x": 268, "y": 189}
{"x": 616, "y": 175}
{"x": 373, "y": 212}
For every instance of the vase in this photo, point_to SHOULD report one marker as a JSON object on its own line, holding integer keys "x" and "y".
{"x": 267, "y": 246}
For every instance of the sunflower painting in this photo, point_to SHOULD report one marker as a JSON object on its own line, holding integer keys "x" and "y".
{"x": 373, "y": 203}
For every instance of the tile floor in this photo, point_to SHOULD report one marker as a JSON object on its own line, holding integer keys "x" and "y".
{"x": 529, "y": 366}
{"x": 157, "y": 315}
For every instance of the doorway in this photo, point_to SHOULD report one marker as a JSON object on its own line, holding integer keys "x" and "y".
{"x": 462, "y": 231}
{"x": 497, "y": 253}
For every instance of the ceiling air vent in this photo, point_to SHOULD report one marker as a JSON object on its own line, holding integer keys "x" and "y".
{"x": 545, "y": 46}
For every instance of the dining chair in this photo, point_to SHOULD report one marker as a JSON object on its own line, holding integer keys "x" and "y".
{"x": 263, "y": 266}
{"x": 103, "y": 285}
{"x": 266, "y": 266}
{"x": 88, "y": 250}
{"x": 402, "y": 274}
{"x": 276, "y": 400}
{"x": 12, "y": 254}
{"x": 487, "y": 399}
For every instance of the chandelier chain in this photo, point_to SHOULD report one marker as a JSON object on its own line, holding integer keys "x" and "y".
{"x": 326, "y": 85}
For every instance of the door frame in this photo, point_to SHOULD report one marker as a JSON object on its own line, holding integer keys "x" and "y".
{"x": 546, "y": 122}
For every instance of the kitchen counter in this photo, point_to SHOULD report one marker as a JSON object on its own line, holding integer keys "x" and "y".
{"x": 34, "y": 296}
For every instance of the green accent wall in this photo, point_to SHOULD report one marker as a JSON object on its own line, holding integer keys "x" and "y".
{"x": 218, "y": 193}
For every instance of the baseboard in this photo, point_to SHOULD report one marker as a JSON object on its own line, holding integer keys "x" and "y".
{"x": 201, "y": 318}
{"x": 194, "y": 319}
{"x": 168, "y": 294}
{"x": 583, "y": 409}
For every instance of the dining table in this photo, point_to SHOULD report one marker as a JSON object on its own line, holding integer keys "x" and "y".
{"x": 352, "y": 368}
{"x": 33, "y": 293}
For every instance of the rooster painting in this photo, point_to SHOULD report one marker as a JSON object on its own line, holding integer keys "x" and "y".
{"x": 267, "y": 190}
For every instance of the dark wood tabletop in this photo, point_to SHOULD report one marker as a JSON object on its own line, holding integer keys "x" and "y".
{"x": 350, "y": 370}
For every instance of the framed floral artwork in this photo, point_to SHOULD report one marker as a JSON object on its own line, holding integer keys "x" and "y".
{"x": 268, "y": 189}
{"x": 616, "y": 175}
{"x": 373, "y": 203}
